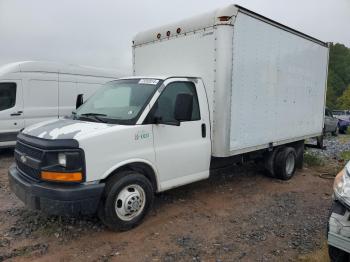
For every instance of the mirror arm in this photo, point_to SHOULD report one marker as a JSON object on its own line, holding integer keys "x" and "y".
{"x": 172, "y": 123}
{"x": 158, "y": 120}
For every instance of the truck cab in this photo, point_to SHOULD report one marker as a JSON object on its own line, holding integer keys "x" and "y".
{"x": 134, "y": 137}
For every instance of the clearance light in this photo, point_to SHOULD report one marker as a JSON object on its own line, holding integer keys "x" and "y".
{"x": 178, "y": 30}
{"x": 62, "y": 177}
{"x": 224, "y": 18}
{"x": 168, "y": 33}
{"x": 159, "y": 35}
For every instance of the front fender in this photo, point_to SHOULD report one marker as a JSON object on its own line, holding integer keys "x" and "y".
{"x": 132, "y": 161}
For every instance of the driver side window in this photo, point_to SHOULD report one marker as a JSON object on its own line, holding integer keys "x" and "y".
{"x": 7, "y": 95}
{"x": 165, "y": 105}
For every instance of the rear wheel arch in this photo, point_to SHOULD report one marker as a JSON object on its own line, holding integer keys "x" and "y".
{"x": 139, "y": 167}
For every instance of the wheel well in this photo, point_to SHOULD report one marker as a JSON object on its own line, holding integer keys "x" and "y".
{"x": 140, "y": 167}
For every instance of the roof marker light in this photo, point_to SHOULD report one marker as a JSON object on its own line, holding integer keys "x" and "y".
{"x": 168, "y": 33}
{"x": 178, "y": 30}
{"x": 159, "y": 35}
{"x": 224, "y": 18}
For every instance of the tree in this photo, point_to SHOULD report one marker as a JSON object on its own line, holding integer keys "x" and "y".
{"x": 338, "y": 76}
{"x": 343, "y": 102}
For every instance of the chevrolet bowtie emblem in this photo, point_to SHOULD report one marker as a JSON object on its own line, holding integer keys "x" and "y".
{"x": 23, "y": 159}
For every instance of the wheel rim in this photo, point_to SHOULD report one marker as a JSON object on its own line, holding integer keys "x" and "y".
{"x": 130, "y": 202}
{"x": 290, "y": 163}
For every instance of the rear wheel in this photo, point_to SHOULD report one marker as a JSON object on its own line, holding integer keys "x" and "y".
{"x": 342, "y": 130}
{"x": 335, "y": 132}
{"x": 128, "y": 198}
{"x": 285, "y": 163}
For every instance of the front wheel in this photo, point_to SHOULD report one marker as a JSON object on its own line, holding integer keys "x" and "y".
{"x": 128, "y": 198}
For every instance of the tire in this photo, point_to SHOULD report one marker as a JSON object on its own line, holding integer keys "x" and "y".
{"x": 320, "y": 141}
{"x": 285, "y": 163}
{"x": 128, "y": 197}
{"x": 338, "y": 255}
{"x": 335, "y": 132}
{"x": 342, "y": 130}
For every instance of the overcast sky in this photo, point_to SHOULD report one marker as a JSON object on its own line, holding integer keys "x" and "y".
{"x": 99, "y": 32}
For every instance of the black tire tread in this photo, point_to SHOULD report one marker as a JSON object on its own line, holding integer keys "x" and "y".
{"x": 117, "y": 181}
{"x": 280, "y": 163}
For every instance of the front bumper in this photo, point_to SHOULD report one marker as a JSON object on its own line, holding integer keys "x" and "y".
{"x": 339, "y": 227}
{"x": 55, "y": 199}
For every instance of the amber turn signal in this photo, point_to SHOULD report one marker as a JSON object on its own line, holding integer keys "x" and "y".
{"x": 62, "y": 177}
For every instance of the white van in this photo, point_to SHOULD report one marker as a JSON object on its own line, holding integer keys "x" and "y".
{"x": 32, "y": 92}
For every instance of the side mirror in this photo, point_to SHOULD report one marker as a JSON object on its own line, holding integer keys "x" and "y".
{"x": 183, "y": 107}
{"x": 79, "y": 101}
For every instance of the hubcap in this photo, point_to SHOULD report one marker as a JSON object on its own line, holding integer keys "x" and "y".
{"x": 130, "y": 202}
{"x": 290, "y": 162}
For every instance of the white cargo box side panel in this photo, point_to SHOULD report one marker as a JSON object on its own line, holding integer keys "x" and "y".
{"x": 278, "y": 85}
{"x": 192, "y": 54}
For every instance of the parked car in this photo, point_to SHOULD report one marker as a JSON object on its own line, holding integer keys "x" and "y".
{"x": 142, "y": 134}
{"x": 330, "y": 123}
{"x": 341, "y": 114}
{"x": 339, "y": 221}
{"x": 34, "y": 91}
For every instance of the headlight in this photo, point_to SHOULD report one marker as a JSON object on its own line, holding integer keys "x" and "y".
{"x": 342, "y": 185}
{"x": 63, "y": 166}
{"x": 62, "y": 159}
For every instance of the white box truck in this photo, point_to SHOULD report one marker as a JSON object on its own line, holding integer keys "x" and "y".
{"x": 34, "y": 91}
{"x": 234, "y": 86}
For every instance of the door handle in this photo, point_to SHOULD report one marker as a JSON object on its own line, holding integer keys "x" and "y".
{"x": 204, "y": 130}
{"x": 18, "y": 113}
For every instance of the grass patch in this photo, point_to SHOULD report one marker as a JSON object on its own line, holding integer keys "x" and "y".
{"x": 312, "y": 160}
{"x": 320, "y": 255}
{"x": 344, "y": 138}
{"x": 345, "y": 155}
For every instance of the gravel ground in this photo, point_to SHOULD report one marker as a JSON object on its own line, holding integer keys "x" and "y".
{"x": 237, "y": 215}
{"x": 335, "y": 145}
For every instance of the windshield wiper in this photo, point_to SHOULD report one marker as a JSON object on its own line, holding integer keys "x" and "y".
{"x": 95, "y": 116}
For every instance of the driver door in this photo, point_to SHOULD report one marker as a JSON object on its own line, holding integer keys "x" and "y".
{"x": 182, "y": 152}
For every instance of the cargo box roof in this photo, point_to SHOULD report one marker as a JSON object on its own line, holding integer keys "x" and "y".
{"x": 220, "y": 16}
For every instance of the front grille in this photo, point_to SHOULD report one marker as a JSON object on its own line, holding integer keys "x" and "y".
{"x": 28, "y": 151}
{"x": 27, "y": 170}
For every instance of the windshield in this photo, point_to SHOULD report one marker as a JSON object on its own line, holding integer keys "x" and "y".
{"x": 119, "y": 102}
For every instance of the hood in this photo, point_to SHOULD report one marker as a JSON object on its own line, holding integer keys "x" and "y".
{"x": 64, "y": 129}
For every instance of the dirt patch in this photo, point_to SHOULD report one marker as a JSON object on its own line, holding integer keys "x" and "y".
{"x": 238, "y": 214}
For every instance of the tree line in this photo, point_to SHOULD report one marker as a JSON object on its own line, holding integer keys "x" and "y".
{"x": 338, "y": 84}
